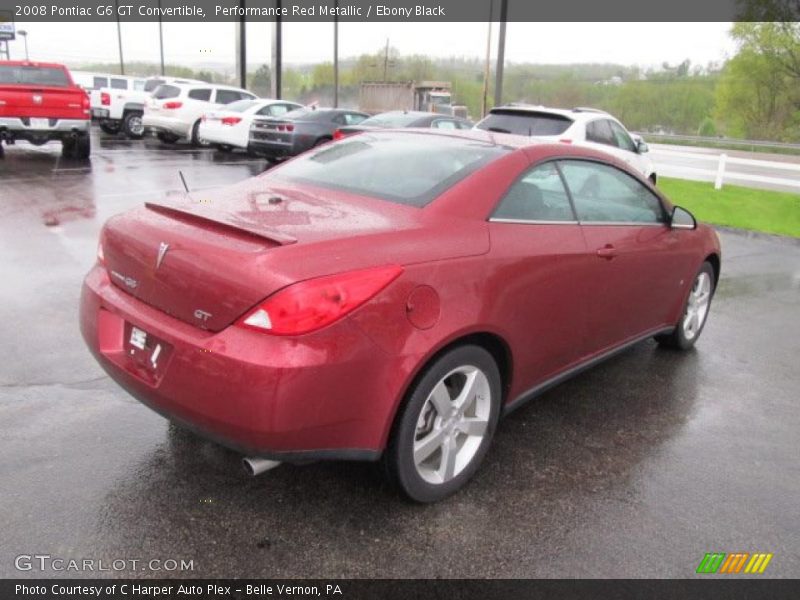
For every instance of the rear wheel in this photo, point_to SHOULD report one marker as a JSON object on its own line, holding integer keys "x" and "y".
{"x": 695, "y": 312}
{"x": 110, "y": 127}
{"x": 224, "y": 148}
{"x": 446, "y": 426}
{"x": 132, "y": 125}
{"x": 320, "y": 141}
{"x": 83, "y": 147}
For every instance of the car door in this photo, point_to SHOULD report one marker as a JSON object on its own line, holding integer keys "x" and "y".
{"x": 198, "y": 101}
{"x": 540, "y": 260}
{"x": 635, "y": 276}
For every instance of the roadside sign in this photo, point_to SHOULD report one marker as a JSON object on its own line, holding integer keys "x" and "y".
{"x": 7, "y": 31}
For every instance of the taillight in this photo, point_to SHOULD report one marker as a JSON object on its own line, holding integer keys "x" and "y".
{"x": 231, "y": 120}
{"x": 105, "y": 98}
{"x": 338, "y": 134}
{"x": 316, "y": 303}
{"x": 172, "y": 105}
{"x": 289, "y": 128}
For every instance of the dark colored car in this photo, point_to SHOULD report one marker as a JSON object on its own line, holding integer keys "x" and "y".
{"x": 391, "y": 295}
{"x": 299, "y": 130}
{"x": 404, "y": 118}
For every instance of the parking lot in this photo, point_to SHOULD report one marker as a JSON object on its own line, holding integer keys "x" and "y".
{"x": 636, "y": 468}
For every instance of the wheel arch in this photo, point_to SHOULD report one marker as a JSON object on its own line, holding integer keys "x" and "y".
{"x": 714, "y": 259}
{"x": 492, "y": 342}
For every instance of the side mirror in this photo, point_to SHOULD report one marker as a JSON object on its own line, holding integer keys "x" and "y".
{"x": 682, "y": 219}
{"x": 641, "y": 146}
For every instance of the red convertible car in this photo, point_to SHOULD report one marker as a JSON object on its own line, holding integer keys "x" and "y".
{"x": 391, "y": 295}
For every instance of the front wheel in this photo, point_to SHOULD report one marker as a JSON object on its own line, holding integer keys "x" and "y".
{"x": 167, "y": 138}
{"x": 197, "y": 141}
{"x": 446, "y": 426}
{"x": 695, "y": 311}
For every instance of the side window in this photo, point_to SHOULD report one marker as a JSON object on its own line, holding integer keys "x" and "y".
{"x": 464, "y": 125}
{"x": 100, "y": 82}
{"x": 353, "y": 118}
{"x": 538, "y": 196}
{"x": 204, "y": 95}
{"x": 621, "y": 137}
{"x": 602, "y": 193}
{"x": 600, "y": 133}
{"x": 227, "y": 96}
{"x": 119, "y": 84}
{"x": 139, "y": 84}
{"x": 443, "y": 124}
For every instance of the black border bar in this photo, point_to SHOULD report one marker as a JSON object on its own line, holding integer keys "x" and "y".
{"x": 712, "y": 587}
{"x": 404, "y": 10}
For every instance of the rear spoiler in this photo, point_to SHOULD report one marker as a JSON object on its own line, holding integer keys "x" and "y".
{"x": 229, "y": 222}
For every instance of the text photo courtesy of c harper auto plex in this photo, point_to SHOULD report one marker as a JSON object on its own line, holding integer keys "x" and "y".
{"x": 353, "y": 299}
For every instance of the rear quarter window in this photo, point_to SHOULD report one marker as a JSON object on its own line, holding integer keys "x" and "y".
{"x": 525, "y": 123}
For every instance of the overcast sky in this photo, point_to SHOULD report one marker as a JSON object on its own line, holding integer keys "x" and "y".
{"x": 644, "y": 44}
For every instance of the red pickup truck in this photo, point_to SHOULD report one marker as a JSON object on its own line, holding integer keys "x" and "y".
{"x": 40, "y": 103}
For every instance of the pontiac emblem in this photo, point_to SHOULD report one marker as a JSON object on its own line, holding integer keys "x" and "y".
{"x": 37, "y": 99}
{"x": 162, "y": 252}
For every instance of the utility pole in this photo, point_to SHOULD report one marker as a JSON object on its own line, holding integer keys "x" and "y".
{"x": 336, "y": 57}
{"x": 386, "y": 61}
{"x": 277, "y": 55}
{"x": 119, "y": 39}
{"x": 487, "y": 68}
{"x": 501, "y": 54}
{"x": 161, "y": 38}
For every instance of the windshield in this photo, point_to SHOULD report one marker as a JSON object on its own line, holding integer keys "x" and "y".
{"x": 49, "y": 76}
{"x": 394, "y": 119}
{"x": 380, "y": 164}
{"x": 526, "y": 122}
{"x": 166, "y": 91}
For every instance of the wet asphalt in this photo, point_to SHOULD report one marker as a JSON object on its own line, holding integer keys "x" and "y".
{"x": 636, "y": 468}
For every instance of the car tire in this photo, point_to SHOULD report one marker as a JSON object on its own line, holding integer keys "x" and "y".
{"x": 167, "y": 138}
{"x": 83, "y": 148}
{"x": 68, "y": 148}
{"x": 196, "y": 141}
{"x": 132, "y": 125}
{"x": 430, "y": 454}
{"x": 2, "y": 151}
{"x": 695, "y": 311}
{"x": 111, "y": 128}
{"x": 320, "y": 141}
{"x": 224, "y": 148}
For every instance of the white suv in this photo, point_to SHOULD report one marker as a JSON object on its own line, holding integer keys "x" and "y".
{"x": 174, "y": 111}
{"x": 587, "y": 126}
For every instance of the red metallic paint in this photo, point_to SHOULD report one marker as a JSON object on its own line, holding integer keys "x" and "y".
{"x": 541, "y": 291}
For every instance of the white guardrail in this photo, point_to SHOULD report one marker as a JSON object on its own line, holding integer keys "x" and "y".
{"x": 720, "y": 167}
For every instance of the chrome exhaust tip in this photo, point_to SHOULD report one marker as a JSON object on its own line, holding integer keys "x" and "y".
{"x": 255, "y": 466}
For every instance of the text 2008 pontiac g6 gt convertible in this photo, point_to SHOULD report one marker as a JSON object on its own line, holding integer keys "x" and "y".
{"x": 390, "y": 295}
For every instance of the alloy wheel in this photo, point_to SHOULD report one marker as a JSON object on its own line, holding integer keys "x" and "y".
{"x": 452, "y": 424}
{"x": 697, "y": 306}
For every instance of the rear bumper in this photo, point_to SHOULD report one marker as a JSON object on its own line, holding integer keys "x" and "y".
{"x": 162, "y": 124}
{"x": 21, "y": 128}
{"x": 222, "y": 135}
{"x": 280, "y": 398}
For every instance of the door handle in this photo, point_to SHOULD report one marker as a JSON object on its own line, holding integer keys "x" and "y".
{"x": 608, "y": 252}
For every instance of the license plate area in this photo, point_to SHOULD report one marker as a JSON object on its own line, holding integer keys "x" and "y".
{"x": 40, "y": 123}
{"x": 147, "y": 355}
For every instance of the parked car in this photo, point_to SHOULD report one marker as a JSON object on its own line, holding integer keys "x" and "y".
{"x": 174, "y": 110}
{"x": 299, "y": 130}
{"x": 40, "y": 103}
{"x": 229, "y": 127}
{"x": 390, "y": 295}
{"x": 118, "y": 109}
{"x": 589, "y": 126}
{"x": 404, "y": 118}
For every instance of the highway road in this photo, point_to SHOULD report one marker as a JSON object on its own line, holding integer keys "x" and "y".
{"x": 750, "y": 169}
